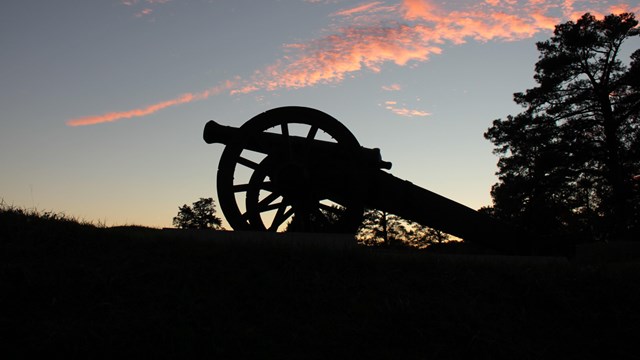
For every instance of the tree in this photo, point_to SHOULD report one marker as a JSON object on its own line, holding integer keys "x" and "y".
{"x": 201, "y": 215}
{"x": 380, "y": 228}
{"x": 566, "y": 163}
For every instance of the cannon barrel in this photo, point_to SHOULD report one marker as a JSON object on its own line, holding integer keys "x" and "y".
{"x": 267, "y": 143}
{"x": 403, "y": 198}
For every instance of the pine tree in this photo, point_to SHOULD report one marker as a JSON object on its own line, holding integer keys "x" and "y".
{"x": 567, "y": 162}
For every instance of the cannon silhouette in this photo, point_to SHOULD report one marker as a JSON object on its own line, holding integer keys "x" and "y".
{"x": 300, "y": 168}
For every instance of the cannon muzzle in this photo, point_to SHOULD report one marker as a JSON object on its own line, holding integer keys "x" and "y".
{"x": 215, "y": 133}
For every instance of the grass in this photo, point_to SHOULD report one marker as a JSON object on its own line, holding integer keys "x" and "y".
{"x": 79, "y": 289}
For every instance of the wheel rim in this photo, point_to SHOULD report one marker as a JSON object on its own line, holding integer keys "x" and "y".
{"x": 284, "y": 185}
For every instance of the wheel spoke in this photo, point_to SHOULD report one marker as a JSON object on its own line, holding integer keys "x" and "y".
{"x": 285, "y": 129}
{"x": 270, "y": 207}
{"x": 284, "y": 126}
{"x": 240, "y": 188}
{"x": 281, "y": 216}
{"x": 313, "y": 131}
{"x": 248, "y": 163}
{"x": 266, "y": 185}
{"x": 265, "y": 204}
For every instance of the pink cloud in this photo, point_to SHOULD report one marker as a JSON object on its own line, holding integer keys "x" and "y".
{"x": 144, "y": 12}
{"x": 544, "y": 21}
{"x": 150, "y": 109}
{"x": 403, "y": 111}
{"x": 486, "y": 21}
{"x": 419, "y": 9}
{"x": 496, "y": 20}
{"x": 623, "y": 8}
{"x": 358, "y": 9}
{"x": 427, "y": 26}
{"x": 368, "y": 39}
{"x": 392, "y": 87}
{"x": 352, "y": 49}
{"x": 334, "y": 57}
{"x": 148, "y": 8}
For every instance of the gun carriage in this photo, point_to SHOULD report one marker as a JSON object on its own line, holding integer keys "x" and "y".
{"x": 300, "y": 167}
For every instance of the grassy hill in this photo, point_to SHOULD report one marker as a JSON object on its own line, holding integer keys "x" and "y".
{"x": 97, "y": 292}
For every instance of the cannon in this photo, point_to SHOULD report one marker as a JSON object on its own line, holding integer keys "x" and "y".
{"x": 301, "y": 169}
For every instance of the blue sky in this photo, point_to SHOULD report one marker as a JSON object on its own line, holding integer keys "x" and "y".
{"x": 420, "y": 79}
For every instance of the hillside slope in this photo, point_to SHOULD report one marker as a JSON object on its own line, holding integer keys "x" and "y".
{"x": 82, "y": 290}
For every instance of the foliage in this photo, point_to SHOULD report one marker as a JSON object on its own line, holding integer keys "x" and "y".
{"x": 15, "y": 217}
{"x": 380, "y": 228}
{"x": 567, "y": 162}
{"x": 327, "y": 219}
{"x": 201, "y": 215}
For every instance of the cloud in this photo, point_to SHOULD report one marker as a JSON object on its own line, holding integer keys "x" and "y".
{"x": 145, "y": 7}
{"x": 420, "y": 30}
{"x": 150, "y": 109}
{"x": 623, "y": 8}
{"x": 404, "y": 111}
{"x": 392, "y": 87}
{"x": 144, "y": 12}
{"x": 133, "y": 2}
{"x": 358, "y": 9}
{"x": 485, "y": 21}
{"x": 333, "y": 58}
{"x": 374, "y": 34}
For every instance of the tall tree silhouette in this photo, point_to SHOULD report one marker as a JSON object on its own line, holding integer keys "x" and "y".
{"x": 567, "y": 162}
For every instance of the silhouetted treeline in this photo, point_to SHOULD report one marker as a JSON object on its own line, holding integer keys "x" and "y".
{"x": 567, "y": 162}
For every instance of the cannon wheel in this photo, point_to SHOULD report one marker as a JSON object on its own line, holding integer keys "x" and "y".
{"x": 267, "y": 205}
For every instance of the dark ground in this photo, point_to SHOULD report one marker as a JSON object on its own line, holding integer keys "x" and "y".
{"x": 70, "y": 289}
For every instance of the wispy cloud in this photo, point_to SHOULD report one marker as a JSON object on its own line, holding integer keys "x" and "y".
{"x": 350, "y": 50}
{"x": 134, "y": 2}
{"x": 150, "y": 109}
{"x": 358, "y": 9}
{"x": 373, "y": 34}
{"x": 367, "y": 12}
{"x": 144, "y": 12}
{"x": 402, "y": 110}
{"x": 144, "y": 7}
{"x": 392, "y": 87}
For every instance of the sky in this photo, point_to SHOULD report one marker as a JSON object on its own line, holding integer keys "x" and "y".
{"x": 103, "y": 102}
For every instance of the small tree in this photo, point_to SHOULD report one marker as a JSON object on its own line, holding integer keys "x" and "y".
{"x": 380, "y": 228}
{"x": 201, "y": 215}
